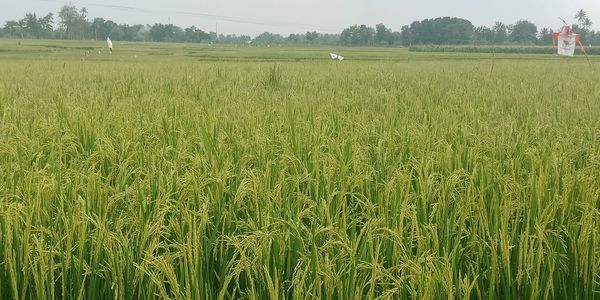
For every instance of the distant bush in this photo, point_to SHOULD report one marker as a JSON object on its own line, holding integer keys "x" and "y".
{"x": 497, "y": 49}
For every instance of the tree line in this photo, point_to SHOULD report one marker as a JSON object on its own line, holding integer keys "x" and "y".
{"x": 73, "y": 23}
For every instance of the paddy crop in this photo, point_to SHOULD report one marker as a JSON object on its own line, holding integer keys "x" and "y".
{"x": 395, "y": 175}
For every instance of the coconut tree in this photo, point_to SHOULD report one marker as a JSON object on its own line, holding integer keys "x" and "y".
{"x": 581, "y": 15}
{"x": 587, "y": 23}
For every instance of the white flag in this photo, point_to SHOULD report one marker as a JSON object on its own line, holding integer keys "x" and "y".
{"x": 336, "y": 56}
{"x": 566, "y": 44}
{"x": 109, "y": 43}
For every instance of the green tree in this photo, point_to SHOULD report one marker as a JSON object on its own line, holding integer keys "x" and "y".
{"x": 31, "y": 26}
{"x": 587, "y": 23}
{"x": 235, "y": 39}
{"x": 13, "y": 29}
{"x": 158, "y": 33}
{"x": 584, "y": 24}
{"x": 132, "y": 32}
{"x": 383, "y": 35}
{"x": 545, "y": 36}
{"x": 311, "y": 36}
{"x": 296, "y": 38}
{"x": 438, "y": 31}
{"x": 405, "y": 35}
{"x": 349, "y": 36}
{"x": 523, "y": 32}
{"x": 73, "y": 22}
{"x": 367, "y": 35}
{"x": 500, "y": 33}
{"x": 483, "y": 35}
{"x": 195, "y": 35}
{"x": 581, "y": 15}
{"x": 47, "y": 25}
{"x": 358, "y": 36}
{"x": 268, "y": 38}
{"x": 99, "y": 28}
{"x": 327, "y": 39}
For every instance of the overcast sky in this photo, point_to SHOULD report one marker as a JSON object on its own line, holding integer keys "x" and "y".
{"x": 296, "y": 16}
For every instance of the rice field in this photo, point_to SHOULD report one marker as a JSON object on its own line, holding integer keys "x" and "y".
{"x": 170, "y": 171}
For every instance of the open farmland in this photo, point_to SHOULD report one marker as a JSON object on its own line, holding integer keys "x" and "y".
{"x": 196, "y": 172}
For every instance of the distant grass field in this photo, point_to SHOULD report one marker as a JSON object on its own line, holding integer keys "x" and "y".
{"x": 180, "y": 171}
{"x": 516, "y": 49}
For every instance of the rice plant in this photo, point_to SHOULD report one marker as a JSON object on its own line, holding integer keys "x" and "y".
{"x": 417, "y": 177}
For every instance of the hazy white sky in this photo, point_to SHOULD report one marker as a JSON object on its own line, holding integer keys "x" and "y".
{"x": 295, "y": 16}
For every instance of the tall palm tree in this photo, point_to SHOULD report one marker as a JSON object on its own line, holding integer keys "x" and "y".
{"x": 581, "y": 15}
{"x": 587, "y": 23}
